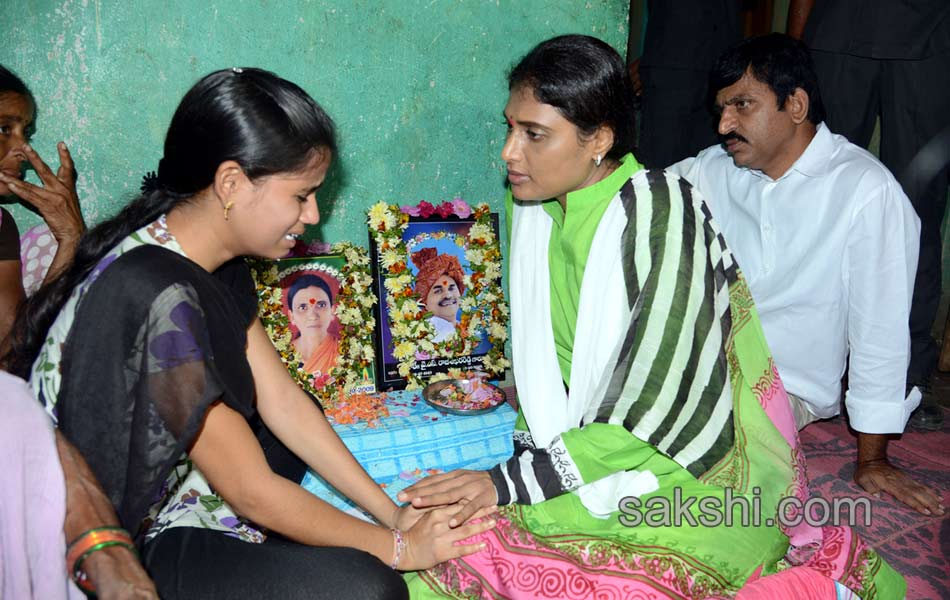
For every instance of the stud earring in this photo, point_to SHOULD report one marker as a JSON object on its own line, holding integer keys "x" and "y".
{"x": 597, "y": 160}
{"x": 227, "y": 207}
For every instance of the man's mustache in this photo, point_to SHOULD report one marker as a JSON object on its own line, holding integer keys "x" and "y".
{"x": 732, "y": 135}
{"x": 447, "y": 301}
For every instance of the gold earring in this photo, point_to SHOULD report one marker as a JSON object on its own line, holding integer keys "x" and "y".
{"x": 227, "y": 207}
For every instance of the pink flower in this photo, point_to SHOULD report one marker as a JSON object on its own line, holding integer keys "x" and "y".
{"x": 302, "y": 249}
{"x": 412, "y": 211}
{"x": 321, "y": 380}
{"x": 444, "y": 210}
{"x": 461, "y": 208}
{"x": 426, "y": 210}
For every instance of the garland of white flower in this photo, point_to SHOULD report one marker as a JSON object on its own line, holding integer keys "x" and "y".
{"x": 354, "y": 311}
{"x": 483, "y": 306}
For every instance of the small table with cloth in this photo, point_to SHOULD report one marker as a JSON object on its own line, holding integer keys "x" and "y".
{"x": 413, "y": 441}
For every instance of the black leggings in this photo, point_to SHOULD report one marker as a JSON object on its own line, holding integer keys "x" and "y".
{"x": 190, "y": 563}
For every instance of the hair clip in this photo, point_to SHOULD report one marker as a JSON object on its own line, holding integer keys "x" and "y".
{"x": 237, "y": 69}
{"x": 150, "y": 182}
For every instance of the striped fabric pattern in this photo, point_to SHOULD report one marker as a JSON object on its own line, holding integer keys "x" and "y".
{"x": 670, "y": 385}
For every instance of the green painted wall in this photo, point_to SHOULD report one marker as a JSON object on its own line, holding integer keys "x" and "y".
{"x": 416, "y": 87}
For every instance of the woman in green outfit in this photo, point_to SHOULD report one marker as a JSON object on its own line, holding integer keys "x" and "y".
{"x": 655, "y": 443}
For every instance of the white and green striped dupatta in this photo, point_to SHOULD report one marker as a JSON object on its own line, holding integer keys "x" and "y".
{"x": 647, "y": 355}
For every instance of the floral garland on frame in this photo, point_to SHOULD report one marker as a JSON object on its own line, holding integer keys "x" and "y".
{"x": 483, "y": 306}
{"x": 354, "y": 311}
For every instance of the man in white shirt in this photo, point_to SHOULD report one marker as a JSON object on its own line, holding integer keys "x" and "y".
{"x": 828, "y": 243}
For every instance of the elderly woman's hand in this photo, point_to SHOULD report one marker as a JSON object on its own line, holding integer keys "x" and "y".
{"x": 118, "y": 575}
{"x": 56, "y": 198}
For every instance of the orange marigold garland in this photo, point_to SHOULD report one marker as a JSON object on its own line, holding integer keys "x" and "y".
{"x": 360, "y": 406}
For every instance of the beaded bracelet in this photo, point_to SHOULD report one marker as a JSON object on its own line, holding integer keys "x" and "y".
{"x": 399, "y": 545}
{"x": 89, "y": 542}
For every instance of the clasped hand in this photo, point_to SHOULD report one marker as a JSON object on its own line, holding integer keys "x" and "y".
{"x": 431, "y": 540}
{"x": 473, "y": 491}
{"x": 442, "y": 512}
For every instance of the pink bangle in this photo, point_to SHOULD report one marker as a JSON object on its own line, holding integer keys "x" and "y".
{"x": 399, "y": 545}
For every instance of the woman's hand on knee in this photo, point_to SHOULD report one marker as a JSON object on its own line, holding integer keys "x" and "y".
{"x": 432, "y": 541}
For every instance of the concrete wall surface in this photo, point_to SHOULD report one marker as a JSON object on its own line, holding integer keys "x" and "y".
{"x": 417, "y": 88}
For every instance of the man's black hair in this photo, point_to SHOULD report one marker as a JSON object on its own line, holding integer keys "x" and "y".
{"x": 777, "y": 60}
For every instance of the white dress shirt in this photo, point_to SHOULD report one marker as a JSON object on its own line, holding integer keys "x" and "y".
{"x": 443, "y": 328}
{"x": 829, "y": 250}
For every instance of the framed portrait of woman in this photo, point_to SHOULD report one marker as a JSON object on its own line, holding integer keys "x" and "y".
{"x": 441, "y": 306}
{"x": 314, "y": 310}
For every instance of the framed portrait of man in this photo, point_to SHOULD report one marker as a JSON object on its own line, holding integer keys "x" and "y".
{"x": 317, "y": 323}
{"x": 441, "y": 305}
